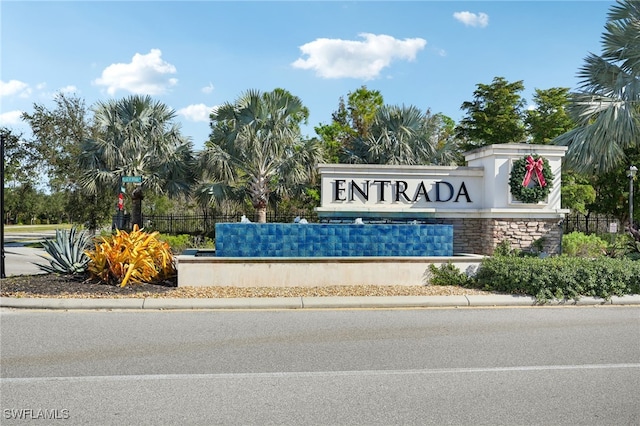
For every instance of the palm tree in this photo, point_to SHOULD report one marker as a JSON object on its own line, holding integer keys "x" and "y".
{"x": 404, "y": 135}
{"x": 137, "y": 138}
{"x": 607, "y": 107}
{"x": 448, "y": 150}
{"x": 255, "y": 147}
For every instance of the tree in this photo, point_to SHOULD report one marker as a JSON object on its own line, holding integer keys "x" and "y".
{"x": 53, "y": 208}
{"x": 58, "y": 135}
{"x": 21, "y": 203}
{"x": 18, "y": 158}
{"x": 549, "y": 119}
{"x": 606, "y": 108}
{"x": 337, "y": 136}
{"x": 495, "y": 116}
{"x": 577, "y": 192}
{"x": 363, "y": 106}
{"x": 398, "y": 135}
{"x": 447, "y": 146}
{"x": 255, "y": 149}
{"x": 136, "y": 136}
{"x": 349, "y": 122}
{"x": 612, "y": 190}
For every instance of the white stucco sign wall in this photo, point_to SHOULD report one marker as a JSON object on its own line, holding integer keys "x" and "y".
{"x": 479, "y": 190}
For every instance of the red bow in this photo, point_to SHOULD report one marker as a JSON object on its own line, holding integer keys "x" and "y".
{"x": 534, "y": 166}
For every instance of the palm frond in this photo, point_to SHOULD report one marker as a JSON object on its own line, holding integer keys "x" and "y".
{"x": 607, "y": 107}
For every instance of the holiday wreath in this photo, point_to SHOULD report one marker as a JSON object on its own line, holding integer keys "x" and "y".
{"x": 531, "y": 179}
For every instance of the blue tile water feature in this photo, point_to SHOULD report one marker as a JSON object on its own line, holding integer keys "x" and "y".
{"x": 332, "y": 240}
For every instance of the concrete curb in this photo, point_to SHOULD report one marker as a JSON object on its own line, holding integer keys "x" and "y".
{"x": 305, "y": 302}
{"x": 633, "y": 299}
{"x": 501, "y": 300}
{"x": 225, "y": 303}
{"x": 53, "y": 303}
{"x": 384, "y": 302}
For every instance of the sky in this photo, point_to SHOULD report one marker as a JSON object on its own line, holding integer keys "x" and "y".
{"x": 195, "y": 55}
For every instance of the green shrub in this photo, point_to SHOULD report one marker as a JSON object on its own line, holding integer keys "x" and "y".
{"x": 504, "y": 249}
{"x": 581, "y": 245}
{"x": 617, "y": 244}
{"x": 632, "y": 249}
{"x": 179, "y": 243}
{"x": 449, "y": 274}
{"x": 559, "y": 277}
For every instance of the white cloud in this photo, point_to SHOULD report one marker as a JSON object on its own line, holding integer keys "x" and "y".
{"x": 471, "y": 19}
{"x": 336, "y": 58}
{"x": 49, "y": 95}
{"x": 14, "y": 87}
{"x": 11, "y": 118}
{"x": 145, "y": 75}
{"x": 207, "y": 89}
{"x": 197, "y": 112}
{"x": 68, "y": 89}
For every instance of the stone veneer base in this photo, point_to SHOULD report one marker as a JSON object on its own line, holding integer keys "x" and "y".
{"x": 483, "y": 235}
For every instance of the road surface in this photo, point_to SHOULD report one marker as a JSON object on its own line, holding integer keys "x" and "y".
{"x": 19, "y": 259}
{"x": 517, "y": 366}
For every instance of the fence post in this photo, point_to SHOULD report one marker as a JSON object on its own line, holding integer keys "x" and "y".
{"x": 586, "y": 223}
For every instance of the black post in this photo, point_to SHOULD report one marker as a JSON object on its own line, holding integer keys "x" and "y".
{"x": 2, "y": 269}
{"x": 631, "y": 173}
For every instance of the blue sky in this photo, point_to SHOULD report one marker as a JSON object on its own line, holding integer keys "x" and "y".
{"x": 193, "y": 56}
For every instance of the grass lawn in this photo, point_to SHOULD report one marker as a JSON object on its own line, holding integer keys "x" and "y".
{"x": 36, "y": 228}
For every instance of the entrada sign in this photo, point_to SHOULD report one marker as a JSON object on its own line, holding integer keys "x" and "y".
{"x": 385, "y": 191}
{"x": 382, "y": 190}
{"x": 480, "y": 189}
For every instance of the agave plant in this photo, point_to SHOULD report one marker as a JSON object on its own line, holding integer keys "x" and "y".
{"x": 67, "y": 252}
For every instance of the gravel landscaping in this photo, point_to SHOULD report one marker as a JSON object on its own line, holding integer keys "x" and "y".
{"x": 60, "y": 286}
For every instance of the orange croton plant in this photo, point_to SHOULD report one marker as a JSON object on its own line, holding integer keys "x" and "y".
{"x": 136, "y": 257}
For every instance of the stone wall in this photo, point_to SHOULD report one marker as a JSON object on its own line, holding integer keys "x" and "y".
{"x": 483, "y": 235}
{"x": 527, "y": 235}
{"x": 468, "y": 235}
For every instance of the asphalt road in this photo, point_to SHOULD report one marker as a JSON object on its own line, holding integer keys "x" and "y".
{"x": 519, "y": 366}
{"x": 21, "y": 260}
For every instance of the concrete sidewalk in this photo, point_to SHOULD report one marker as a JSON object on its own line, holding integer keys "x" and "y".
{"x": 375, "y": 302}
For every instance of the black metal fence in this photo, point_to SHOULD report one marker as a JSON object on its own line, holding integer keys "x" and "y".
{"x": 591, "y": 224}
{"x": 202, "y": 224}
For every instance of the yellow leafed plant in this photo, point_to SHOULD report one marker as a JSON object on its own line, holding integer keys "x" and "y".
{"x": 131, "y": 257}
